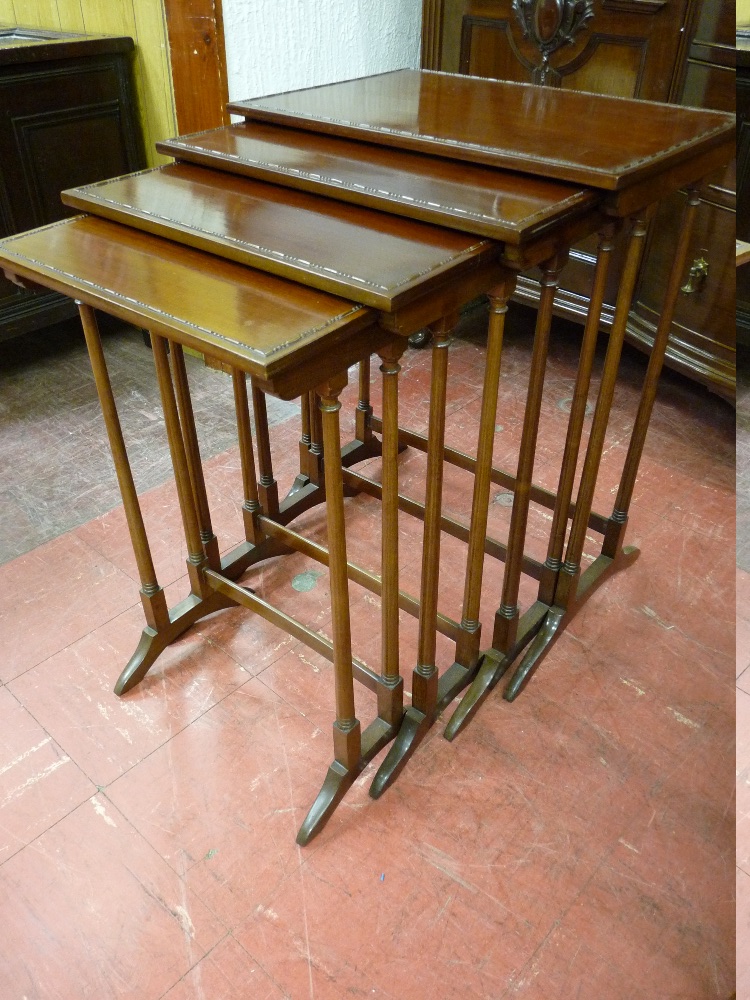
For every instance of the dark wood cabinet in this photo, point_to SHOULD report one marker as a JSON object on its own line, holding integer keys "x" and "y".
{"x": 680, "y": 51}
{"x": 67, "y": 117}
{"x": 743, "y": 183}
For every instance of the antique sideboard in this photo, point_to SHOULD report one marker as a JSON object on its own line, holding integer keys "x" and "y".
{"x": 681, "y": 51}
{"x": 68, "y": 115}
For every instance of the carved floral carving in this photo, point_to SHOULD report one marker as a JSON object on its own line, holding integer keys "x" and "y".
{"x": 550, "y": 24}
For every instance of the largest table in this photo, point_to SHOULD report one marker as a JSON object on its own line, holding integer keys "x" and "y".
{"x": 389, "y": 202}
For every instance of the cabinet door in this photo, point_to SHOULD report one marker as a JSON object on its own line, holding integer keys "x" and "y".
{"x": 622, "y": 47}
{"x": 743, "y": 185}
{"x": 702, "y": 340}
{"x": 63, "y": 122}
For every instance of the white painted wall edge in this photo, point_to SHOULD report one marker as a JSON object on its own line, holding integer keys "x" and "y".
{"x": 278, "y": 45}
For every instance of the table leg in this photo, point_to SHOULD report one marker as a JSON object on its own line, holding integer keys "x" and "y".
{"x": 169, "y": 625}
{"x": 152, "y": 595}
{"x": 268, "y": 490}
{"x": 365, "y": 444}
{"x": 303, "y": 477}
{"x": 570, "y": 586}
{"x": 467, "y": 647}
{"x": 363, "y": 431}
{"x": 391, "y": 692}
{"x": 618, "y": 521}
{"x": 347, "y": 739}
{"x": 421, "y": 715}
{"x": 560, "y": 515}
{"x": 251, "y": 508}
{"x": 508, "y": 638}
{"x": 195, "y": 466}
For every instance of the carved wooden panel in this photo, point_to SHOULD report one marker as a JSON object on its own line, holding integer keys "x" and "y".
{"x": 623, "y": 47}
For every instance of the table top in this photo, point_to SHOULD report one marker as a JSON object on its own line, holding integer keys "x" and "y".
{"x": 506, "y": 206}
{"x": 369, "y": 257}
{"x": 605, "y": 142}
{"x": 743, "y": 252}
{"x": 286, "y": 335}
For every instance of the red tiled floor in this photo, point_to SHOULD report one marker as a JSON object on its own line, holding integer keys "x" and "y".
{"x": 226, "y": 973}
{"x": 573, "y": 845}
{"x": 71, "y": 694}
{"x": 67, "y": 589}
{"x": 39, "y": 784}
{"x": 104, "y": 915}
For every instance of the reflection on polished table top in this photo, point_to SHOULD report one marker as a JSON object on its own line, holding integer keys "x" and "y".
{"x": 466, "y": 196}
{"x": 270, "y": 328}
{"x": 601, "y": 141}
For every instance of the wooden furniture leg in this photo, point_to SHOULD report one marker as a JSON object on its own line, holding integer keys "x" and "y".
{"x": 251, "y": 507}
{"x": 511, "y": 633}
{"x": 391, "y": 693}
{"x": 195, "y": 466}
{"x": 152, "y": 595}
{"x": 561, "y": 512}
{"x": 420, "y": 716}
{"x": 571, "y": 587}
{"x": 268, "y": 489}
{"x": 618, "y": 521}
{"x": 363, "y": 431}
{"x": 201, "y": 601}
{"x": 347, "y": 738}
{"x": 551, "y": 592}
{"x": 303, "y": 478}
{"x": 258, "y": 545}
{"x": 365, "y": 444}
{"x": 574, "y": 587}
{"x": 467, "y": 647}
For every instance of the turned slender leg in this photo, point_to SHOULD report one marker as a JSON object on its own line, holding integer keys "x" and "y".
{"x": 196, "y": 560}
{"x": 268, "y": 489}
{"x": 618, "y": 521}
{"x": 152, "y": 595}
{"x": 195, "y": 466}
{"x": 250, "y": 504}
{"x": 506, "y": 619}
{"x": 315, "y": 467}
{"x": 363, "y": 431}
{"x": 558, "y": 531}
{"x": 467, "y": 648}
{"x": 569, "y": 575}
{"x": 505, "y": 640}
{"x": 571, "y": 570}
{"x": 304, "y": 441}
{"x": 421, "y": 715}
{"x": 163, "y": 626}
{"x": 347, "y": 737}
{"x": 391, "y": 693}
{"x": 310, "y": 447}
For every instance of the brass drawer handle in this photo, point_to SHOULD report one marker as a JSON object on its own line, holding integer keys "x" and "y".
{"x": 697, "y": 275}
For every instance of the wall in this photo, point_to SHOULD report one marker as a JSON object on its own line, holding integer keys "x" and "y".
{"x": 141, "y": 20}
{"x": 285, "y": 44}
{"x": 743, "y": 13}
